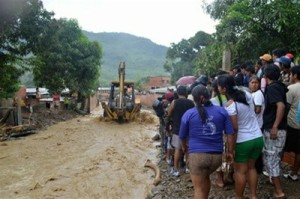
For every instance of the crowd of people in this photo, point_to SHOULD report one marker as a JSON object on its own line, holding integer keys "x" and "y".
{"x": 245, "y": 119}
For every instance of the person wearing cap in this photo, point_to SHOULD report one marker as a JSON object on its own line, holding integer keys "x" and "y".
{"x": 285, "y": 67}
{"x": 266, "y": 59}
{"x": 169, "y": 95}
{"x": 176, "y": 110}
{"x": 291, "y": 56}
{"x": 201, "y": 133}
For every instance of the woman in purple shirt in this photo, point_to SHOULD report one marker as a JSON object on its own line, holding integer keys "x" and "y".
{"x": 203, "y": 127}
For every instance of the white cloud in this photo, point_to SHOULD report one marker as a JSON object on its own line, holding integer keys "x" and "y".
{"x": 162, "y": 21}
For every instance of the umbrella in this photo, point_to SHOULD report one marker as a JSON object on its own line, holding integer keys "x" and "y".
{"x": 186, "y": 80}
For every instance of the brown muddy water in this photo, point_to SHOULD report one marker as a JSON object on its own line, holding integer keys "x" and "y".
{"x": 84, "y": 157}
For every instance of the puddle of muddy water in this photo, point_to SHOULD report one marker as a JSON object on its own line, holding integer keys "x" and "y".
{"x": 81, "y": 158}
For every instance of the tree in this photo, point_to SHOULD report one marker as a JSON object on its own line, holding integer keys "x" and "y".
{"x": 21, "y": 24}
{"x": 254, "y": 27}
{"x": 70, "y": 58}
{"x": 182, "y": 57}
{"x": 209, "y": 59}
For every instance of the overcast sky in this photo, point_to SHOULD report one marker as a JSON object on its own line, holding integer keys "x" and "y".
{"x": 162, "y": 21}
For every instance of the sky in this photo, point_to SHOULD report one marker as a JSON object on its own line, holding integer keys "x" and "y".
{"x": 162, "y": 21}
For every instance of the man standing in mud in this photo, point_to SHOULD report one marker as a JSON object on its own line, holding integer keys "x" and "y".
{"x": 274, "y": 125}
{"x": 175, "y": 111}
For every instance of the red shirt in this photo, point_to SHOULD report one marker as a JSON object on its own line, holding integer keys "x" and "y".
{"x": 55, "y": 97}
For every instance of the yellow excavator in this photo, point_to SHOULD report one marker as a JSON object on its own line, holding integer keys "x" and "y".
{"x": 122, "y": 104}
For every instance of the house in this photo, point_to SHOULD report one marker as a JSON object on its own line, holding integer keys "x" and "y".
{"x": 157, "y": 82}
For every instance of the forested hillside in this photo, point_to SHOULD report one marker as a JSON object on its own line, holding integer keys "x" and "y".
{"x": 142, "y": 57}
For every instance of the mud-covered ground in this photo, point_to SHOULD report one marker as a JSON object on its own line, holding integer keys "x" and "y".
{"x": 181, "y": 187}
{"x": 75, "y": 156}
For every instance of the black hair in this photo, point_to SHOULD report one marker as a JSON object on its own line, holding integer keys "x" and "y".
{"x": 239, "y": 79}
{"x": 182, "y": 90}
{"x": 222, "y": 72}
{"x": 198, "y": 91}
{"x": 259, "y": 62}
{"x": 250, "y": 69}
{"x": 278, "y": 52}
{"x": 216, "y": 91}
{"x": 295, "y": 70}
{"x": 244, "y": 66}
{"x": 272, "y": 72}
{"x": 237, "y": 67}
{"x": 227, "y": 81}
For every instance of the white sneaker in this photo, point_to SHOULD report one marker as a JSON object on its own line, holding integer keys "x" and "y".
{"x": 172, "y": 170}
{"x": 187, "y": 170}
{"x": 175, "y": 173}
{"x": 168, "y": 161}
{"x": 266, "y": 173}
{"x": 290, "y": 176}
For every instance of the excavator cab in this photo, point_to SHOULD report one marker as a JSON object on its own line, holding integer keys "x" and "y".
{"x": 122, "y": 104}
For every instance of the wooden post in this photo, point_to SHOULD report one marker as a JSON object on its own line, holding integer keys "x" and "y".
{"x": 226, "y": 61}
{"x": 19, "y": 111}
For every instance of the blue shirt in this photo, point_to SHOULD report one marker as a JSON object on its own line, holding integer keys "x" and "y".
{"x": 205, "y": 137}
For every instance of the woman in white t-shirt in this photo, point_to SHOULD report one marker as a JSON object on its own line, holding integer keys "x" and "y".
{"x": 258, "y": 98}
{"x": 249, "y": 139}
{"x": 259, "y": 107}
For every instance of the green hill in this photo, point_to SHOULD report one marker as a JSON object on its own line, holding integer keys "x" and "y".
{"x": 142, "y": 57}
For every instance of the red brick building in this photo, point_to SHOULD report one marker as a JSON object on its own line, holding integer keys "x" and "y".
{"x": 158, "y": 82}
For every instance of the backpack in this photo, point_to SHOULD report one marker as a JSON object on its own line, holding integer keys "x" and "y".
{"x": 158, "y": 107}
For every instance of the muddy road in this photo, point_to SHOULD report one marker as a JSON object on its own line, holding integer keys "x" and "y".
{"x": 85, "y": 157}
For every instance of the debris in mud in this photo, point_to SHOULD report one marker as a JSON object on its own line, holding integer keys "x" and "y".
{"x": 15, "y": 131}
{"x": 156, "y": 170}
{"x": 36, "y": 186}
{"x": 40, "y": 119}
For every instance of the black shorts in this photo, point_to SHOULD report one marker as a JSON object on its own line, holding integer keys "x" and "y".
{"x": 292, "y": 143}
